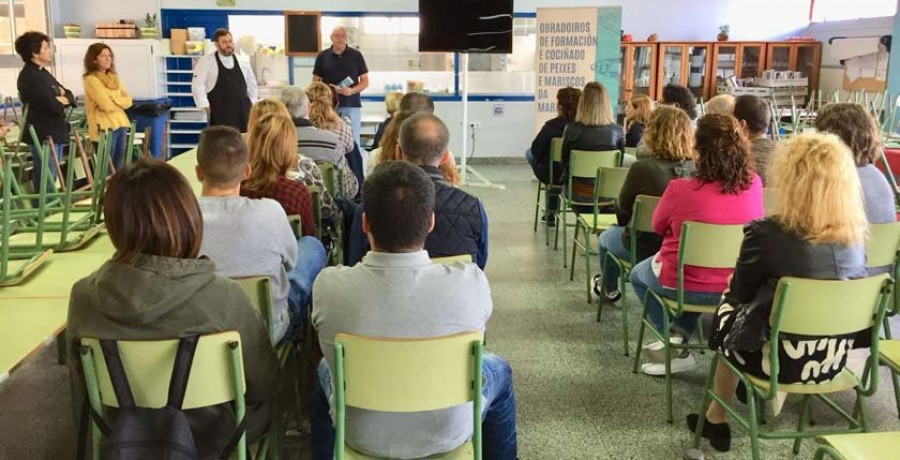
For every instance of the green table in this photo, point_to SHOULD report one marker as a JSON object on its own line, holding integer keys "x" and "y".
{"x": 34, "y": 312}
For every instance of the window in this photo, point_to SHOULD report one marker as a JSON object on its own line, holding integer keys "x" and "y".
{"x": 839, "y": 10}
{"x": 12, "y": 23}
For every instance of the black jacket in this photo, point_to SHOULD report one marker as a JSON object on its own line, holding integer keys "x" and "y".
{"x": 634, "y": 135}
{"x": 540, "y": 146}
{"x": 578, "y": 136}
{"x": 647, "y": 177}
{"x": 379, "y": 133}
{"x": 39, "y": 90}
{"x": 768, "y": 253}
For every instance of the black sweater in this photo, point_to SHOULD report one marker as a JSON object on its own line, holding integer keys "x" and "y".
{"x": 634, "y": 135}
{"x": 39, "y": 90}
{"x": 540, "y": 146}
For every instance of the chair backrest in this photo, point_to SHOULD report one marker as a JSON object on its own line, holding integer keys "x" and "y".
{"x": 631, "y": 151}
{"x": 642, "y": 213}
{"x": 821, "y": 308}
{"x": 883, "y": 245}
{"x": 709, "y": 245}
{"x": 770, "y": 201}
{"x": 148, "y": 365}
{"x": 447, "y": 260}
{"x": 610, "y": 181}
{"x": 584, "y": 163}
{"x": 412, "y": 375}
{"x": 297, "y": 223}
{"x": 259, "y": 291}
{"x": 556, "y": 149}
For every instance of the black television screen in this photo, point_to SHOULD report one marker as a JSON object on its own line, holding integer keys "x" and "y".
{"x": 473, "y": 26}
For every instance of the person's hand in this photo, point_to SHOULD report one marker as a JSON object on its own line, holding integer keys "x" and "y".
{"x": 125, "y": 93}
{"x": 63, "y": 100}
{"x": 345, "y": 91}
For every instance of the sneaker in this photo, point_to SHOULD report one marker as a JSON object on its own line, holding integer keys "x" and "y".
{"x": 548, "y": 219}
{"x": 656, "y": 352}
{"x": 719, "y": 434}
{"x": 597, "y": 285}
{"x": 597, "y": 288}
{"x": 679, "y": 364}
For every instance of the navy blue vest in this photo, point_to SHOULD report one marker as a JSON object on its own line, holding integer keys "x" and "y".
{"x": 458, "y": 224}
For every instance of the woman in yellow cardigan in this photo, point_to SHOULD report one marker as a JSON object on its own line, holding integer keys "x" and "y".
{"x": 105, "y": 99}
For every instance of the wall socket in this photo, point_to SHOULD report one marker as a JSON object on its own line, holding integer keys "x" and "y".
{"x": 475, "y": 124}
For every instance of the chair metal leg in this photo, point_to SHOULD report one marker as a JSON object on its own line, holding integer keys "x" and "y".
{"x": 564, "y": 236}
{"x": 801, "y": 425}
{"x": 707, "y": 400}
{"x": 624, "y": 312}
{"x": 753, "y": 424}
{"x": 587, "y": 264}
{"x": 668, "y": 364}
{"x": 895, "y": 379}
{"x": 556, "y": 233}
{"x": 537, "y": 204}
{"x": 574, "y": 250}
{"x": 640, "y": 340}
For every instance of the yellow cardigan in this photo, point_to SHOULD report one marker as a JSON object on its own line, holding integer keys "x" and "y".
{"x": 104, "y": 107}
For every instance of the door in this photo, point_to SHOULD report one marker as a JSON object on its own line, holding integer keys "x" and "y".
{"x": 698, "y": 63}
{"x": 671, "y": 65}
{"x": 726, "y": 59}
{"x": 778, "y": 57}
{"x": 643, "y": 70}
{"x": 752, "y": 60}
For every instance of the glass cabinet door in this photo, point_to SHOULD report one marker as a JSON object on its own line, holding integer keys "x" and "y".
{"x": 671, "y": 71}
{"x": 698, "y": 63}
{"x": 726, "y": 62}
{"x": 624, "y": 90}
{"x": 806, "y": 60}
{"x": 642, "y": 76}
{"x": 752, "y": 57}
{"x": 779, "y": 57}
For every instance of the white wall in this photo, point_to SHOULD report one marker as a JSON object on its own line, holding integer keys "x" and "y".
{"x": 86, "y": 13}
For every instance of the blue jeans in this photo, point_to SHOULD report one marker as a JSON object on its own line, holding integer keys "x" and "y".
{"x": 310, "y": 261}
{"x": 611, "y": 241}
{"x": 498, "y": 417}
{"x": 643, "y": 278}
{"x": 37, "y": 170}
{"x": 529, "y": 157}
{"x": 355, "y": 116}
{"x": 119, "y": 138}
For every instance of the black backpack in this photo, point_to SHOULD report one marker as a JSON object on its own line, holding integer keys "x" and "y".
{"x": 141, "y": 433}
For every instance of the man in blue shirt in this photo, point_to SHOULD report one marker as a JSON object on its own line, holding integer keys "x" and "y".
{"x": 460, "y": 225}
{"x": 344, "y": 69}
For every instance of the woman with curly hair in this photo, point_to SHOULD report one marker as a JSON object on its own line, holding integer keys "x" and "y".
{"x": 671, "y": 139}
{"x": 723, "y": 190}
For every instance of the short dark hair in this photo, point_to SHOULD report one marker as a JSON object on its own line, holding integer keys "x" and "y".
{"x": 754, "y": 112}
{"x": 855, "y": 126}
{"x": 567, "y": 100}
{"x": 399, "y": 203}
{"x": 149, "y": 208}
{"x": 682, "y": 98}
{"x": 221, "y": 155}
{"x": 29, "y": 44}
{"x": 416, "y": 102}
{"x": 219, "y": 33}
{"x": 424, "y": 138}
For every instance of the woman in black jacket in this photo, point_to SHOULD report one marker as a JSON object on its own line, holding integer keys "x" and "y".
{"x": 45, "y": 98}
{"x": 819, "y": 233}
{"x": 539, "y": 156}
{"x": 637, "y": 114}
{"x": 594, "y": 129}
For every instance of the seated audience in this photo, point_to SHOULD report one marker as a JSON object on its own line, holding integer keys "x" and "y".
{"x": 722, "y": 104}
{"x": 594, "y": 129}
{"x": 681, "y": 97}
{"x": 156, "y": 288}
{"x": 397, "y": 292}
{"x": 637, "y": 112}
{"x": 754, "y": 115}
{"x": 388, "y": 149}
{"x": 247, "y": 237}
{"x": 858, "y": 130}
{"x": 819, "y": 233}
{"x": 273, "y": 153}
{"x": 318, "y": 144}
{"x": 391, "y": 106}
{"x": 461, "y": 224}
{"x": 671, "y": 139}
{"x": 323, "y": 116}
{"x": 539, "y": 155}
{"x": 723, "y": 190}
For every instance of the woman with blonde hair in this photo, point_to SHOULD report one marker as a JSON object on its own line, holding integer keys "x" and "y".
{"x": 819, "y": 233}
{"x": 392, "y": 106}
{"x": 637, "y": 113}
{"x": 723, "y": 104}
{"x": 671, "y": 139}
{"x": 273, "y": 154}
{"x": 323, "y": 116}
{"x": 594, "y": 129}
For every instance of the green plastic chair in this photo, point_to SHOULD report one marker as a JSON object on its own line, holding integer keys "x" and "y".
{"x": 407, "y": 375}
{"x": 583, "y": 164}
{"x": 297, "y": 223}
{"x": 607, "y": 185}
{"x": 555, "y": 158}
{"x": 449, "y": 260}
{"x": 699, "y": 245}
{"x": 641, "y": 221}
{"x": 814, "y": 308}
{"x": 862, "y": 446}
{"x": 18, "y": 262}
{"x": 883, "y": 248}
{"x": 331, "y": 175}
{"x": 770, "y": 201}
{"x": 216, "y": 376}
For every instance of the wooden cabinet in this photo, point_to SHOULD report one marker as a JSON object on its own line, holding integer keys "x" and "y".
{"x": 685, "y": 64}
{"x": 805, "y": 57}
{"x": 743, "y": 60}
{"x": 638, "y": 71}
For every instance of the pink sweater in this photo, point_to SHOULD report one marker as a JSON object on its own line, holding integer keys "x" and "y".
{"x": 688, "y": 200}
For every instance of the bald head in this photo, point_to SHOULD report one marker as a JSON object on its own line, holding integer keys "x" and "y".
{"x": 339, "y": 38}
{"x": 423, "y": 139}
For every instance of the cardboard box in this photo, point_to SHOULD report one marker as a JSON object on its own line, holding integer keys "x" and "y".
{"x": 116, "y": 30}
{"x": 178, "y": 41}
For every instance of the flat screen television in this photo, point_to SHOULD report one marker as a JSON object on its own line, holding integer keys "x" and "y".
{"x": 466, "y": 26}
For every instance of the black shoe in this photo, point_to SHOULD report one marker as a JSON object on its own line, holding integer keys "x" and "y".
{"x": 550, "y": 220}
{"x": 612, "y": 296}
{"x": 596, "y": 285}
{"x": 719, "y": 434}
{"x": 741, "y": 392}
